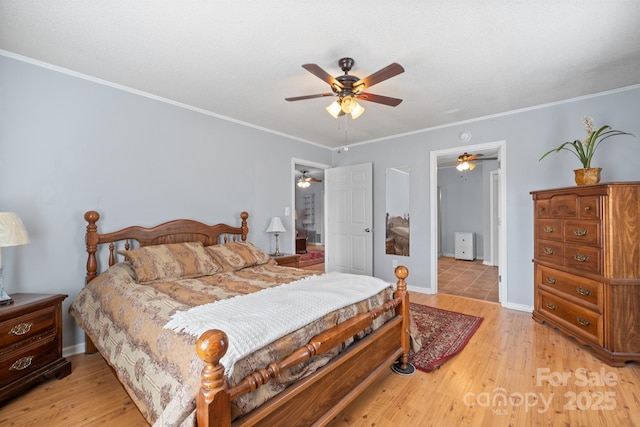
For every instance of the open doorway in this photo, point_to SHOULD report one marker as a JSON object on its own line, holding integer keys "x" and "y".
{"x": 466, "y": 247}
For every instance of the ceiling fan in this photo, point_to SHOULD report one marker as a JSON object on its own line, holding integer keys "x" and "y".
{"x": 465, "y": 161}
{"x": 348, "y": 88}
{"x": 305, "y": 181}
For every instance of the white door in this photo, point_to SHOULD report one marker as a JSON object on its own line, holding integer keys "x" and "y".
{"x": 349, "y": 219}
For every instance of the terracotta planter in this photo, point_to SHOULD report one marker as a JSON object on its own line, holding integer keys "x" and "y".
{"x": 587, "y": 176}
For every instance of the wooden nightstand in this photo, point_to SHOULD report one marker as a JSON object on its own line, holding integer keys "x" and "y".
{"x": 30, "y": 342}
{"x": 288, "y": 260}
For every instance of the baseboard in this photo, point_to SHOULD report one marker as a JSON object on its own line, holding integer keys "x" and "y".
{"x": 73, "y": 349}
{"x": 420, "y": 290}
{"x": 518, "y": 307}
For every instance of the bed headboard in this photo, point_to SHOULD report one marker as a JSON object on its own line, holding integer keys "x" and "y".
{"x": 177, "y": 231}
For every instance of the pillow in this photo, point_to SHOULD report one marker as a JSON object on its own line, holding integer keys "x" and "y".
{"x": 235, "y": 256}
{"x": 171, "y": 261}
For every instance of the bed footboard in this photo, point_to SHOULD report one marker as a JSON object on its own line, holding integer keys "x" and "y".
{"x": 331, "y": 388}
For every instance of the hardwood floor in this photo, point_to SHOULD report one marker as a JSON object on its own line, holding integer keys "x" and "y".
{"x": 471, "y": 279}
{"x": 509, "y": 355}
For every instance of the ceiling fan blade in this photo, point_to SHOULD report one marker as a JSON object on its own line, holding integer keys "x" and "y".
{"x": 323, "y": 75}
{"x": 386, "y": 100}
{"x": 380, "y": 75}
{"x": 300, "y": 98}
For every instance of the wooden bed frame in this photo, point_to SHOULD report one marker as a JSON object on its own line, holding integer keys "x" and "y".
{"x": 316, "y": 399}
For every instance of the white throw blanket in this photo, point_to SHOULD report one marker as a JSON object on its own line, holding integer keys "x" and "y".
{"x": 254, "y": 320}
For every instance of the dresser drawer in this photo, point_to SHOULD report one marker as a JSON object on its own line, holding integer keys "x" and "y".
{"x": 550, "y": 251}
{"x": 583, "y": 232}
{"x": 26, "y": 359}
{"x": 564, "y": 206}
{"x": 578, "y": 289}
{"x": 541, "y": 208}
{"x": 590, "y": 207}
{"x": 580, "y": 320}
{"x": 550, "y": 229}
{"x": 23, "y": 328}
{"x": 583, "y": 258}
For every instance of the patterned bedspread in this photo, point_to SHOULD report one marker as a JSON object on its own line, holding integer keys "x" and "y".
{"x": 158, "y": 367}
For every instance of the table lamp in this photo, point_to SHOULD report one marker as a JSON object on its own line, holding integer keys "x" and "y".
{"x": 12, "y": 233}
{"x": 276, "y": 227}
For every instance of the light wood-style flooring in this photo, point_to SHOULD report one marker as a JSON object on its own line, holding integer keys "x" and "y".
{"x": 470, "y": 279}
{"x": 510, "y": 356}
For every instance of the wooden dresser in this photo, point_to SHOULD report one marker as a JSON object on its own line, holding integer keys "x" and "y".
{"x": 30, "y": 342}
{"x": 587, "y": 266}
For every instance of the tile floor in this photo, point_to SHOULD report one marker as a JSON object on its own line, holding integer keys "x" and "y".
{"x": 469, "y": 279}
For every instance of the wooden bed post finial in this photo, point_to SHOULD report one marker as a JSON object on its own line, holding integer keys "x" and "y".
{"x": 245, "y": 227}
{"x": 213, "y": 396}
{"x": 91, "y": 240}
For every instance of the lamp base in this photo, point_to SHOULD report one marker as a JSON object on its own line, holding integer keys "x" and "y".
{"x": 4, "y": 298}
{"x": 277, "y": 253}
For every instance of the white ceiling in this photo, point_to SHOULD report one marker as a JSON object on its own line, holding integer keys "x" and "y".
{"x": 240, "y": 59}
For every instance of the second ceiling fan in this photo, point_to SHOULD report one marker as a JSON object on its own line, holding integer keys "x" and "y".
{"x": 465, "y": 161}
{"x": 348, "y": 88}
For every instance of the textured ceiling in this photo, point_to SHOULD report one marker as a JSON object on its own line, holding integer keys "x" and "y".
{"x": 240, "y": 59}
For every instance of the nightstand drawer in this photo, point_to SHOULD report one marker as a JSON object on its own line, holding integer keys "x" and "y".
{"x": 25, "y": 327}
{"x": 26, "y": 359}
{"x": 290, "y": 260}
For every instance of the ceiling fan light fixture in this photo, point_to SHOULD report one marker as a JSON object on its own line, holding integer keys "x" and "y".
{"x": 303, "y": 183}
{"x": 334, "y": 109}
{"x": 466, "y": 166}
{"x": 357, "y": 111}
{"x": 348, "y": 104}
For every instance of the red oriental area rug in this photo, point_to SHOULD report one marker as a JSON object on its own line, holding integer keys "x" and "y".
{"x": 444, "y": 333}
{"x": 312, "y": 257}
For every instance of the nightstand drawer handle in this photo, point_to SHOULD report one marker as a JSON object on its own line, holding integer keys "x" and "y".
{"x": 22, "y": 363}
{"x": 583, "y": 291}
{"x": 548, "y": 251}
{"x": 581, "y": 258}
{"x": 582, "y": 321}
{"x": 551, "y": 280}
{"x": 551, "y": 305}
{"x": 580, "y": 231}
{"x": 549, "y": 229}
{"x": 587, "y": 208}
{"x": 21, "y": 328}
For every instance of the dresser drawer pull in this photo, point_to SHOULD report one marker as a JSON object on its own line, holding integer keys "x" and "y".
{"x": 583, "y": 291}
{"x": 548, "y": 251}
{"x": 21, "y": 328}
{"x": 22, "y": 363}
{"x": 551, "y": 305}
{"x": 549, "y": 229}
{"x": 587, "y": 208}
{"x": 551, "y": 280}
{"x": 581, "y": 258}
{"x": 583, "y": 321}
{"x": 580, "y": 231}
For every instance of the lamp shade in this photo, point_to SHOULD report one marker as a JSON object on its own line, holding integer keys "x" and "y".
{"x": 275, "y": 226}
{"x": 12, "y": 231}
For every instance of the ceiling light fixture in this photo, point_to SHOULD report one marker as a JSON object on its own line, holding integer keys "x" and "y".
{"x": 465, "y": 166}
{"x": 303, "y": 183}
{"x": 345, "y": 105}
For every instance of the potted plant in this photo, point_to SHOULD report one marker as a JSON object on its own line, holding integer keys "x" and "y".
{"x": 584, "y": 150}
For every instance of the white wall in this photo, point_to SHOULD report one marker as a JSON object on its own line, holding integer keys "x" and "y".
{"x": 528, "y": 134}
{"x": 68, "y": 145}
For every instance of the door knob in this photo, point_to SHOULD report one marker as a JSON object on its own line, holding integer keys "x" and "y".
{"x": 368, "y": 230}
